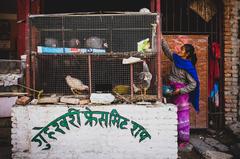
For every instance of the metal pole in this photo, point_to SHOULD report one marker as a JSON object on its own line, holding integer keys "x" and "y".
{"x": 159, "y": 52}
{"x": 158, "y": 6}
{"x": 221, "y": 81}
{"x": 32, "y": 35}
{"x": 152, "y": 5}
{"x": 27, "y": 46}
{"x": 131, "y": 79}
{"x": 90, "y": 73}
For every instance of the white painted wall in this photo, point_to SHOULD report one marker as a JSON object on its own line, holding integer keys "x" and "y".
{"x": 6, "y": 104}
{"x": 95, "y": 142}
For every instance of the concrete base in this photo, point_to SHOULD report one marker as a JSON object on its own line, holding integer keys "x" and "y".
{"x": 110, "y": 131}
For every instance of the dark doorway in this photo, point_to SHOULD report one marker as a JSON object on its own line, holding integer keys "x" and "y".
{"x": 66, "y": 6}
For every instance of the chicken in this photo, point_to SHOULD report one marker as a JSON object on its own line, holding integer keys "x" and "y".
{"x": 74, "y": 43}
{"x": 144, "y": 80}
{"x": 51, "y": 42}
{"x": 96, "y": 42}
{"x": 76, "y": 85}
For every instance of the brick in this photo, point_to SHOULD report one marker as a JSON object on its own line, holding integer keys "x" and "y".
{"x": 235, "y": 79}
{"x": 231, "y": 101}
{"x": 230, "y": 105}
{"x": 227, "y": 79}
{"x": 227, "y": 109}
{"x": 234, "y": 67}
{"x": 229, "y": 114}
{"x": 228, "y": 75}
{"x": 84, "y": 101}
{"x": 228, "y": 83}
{"x": 235, "y": 75}
{"x": 69, "y": 100}
{"x": 23, "y": 100}
{"x": 228, "y": 118}
{"x": 227, "y": 42}
{"x": 227, "y": 93}
{"x": 228, "y": 46}
{"x": 228, "y": 88}
{"x": 234, "y": 110}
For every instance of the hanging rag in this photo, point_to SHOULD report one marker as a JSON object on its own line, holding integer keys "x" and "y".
{"x": 214, "y": 94}
{"x": 214, "y": 74}
{"x": 214, "y": 70}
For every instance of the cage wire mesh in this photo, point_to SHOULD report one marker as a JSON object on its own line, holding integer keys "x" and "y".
{"x": 109, "y": 72}
{"x": 52, "y": 71}
{"x": 121, "y": 32}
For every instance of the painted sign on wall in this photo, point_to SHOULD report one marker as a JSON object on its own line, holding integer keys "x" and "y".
{"x": 73, "y": 117}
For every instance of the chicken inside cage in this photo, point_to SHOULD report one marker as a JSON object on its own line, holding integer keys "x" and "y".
{"x": 76, "y": 85}
{"x": 144, "y": 80}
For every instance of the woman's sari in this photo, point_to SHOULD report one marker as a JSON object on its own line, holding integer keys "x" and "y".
{"x": 182, "y": 102}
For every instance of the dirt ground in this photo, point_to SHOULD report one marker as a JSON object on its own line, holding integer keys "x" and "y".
{"x": 223, "y": 136}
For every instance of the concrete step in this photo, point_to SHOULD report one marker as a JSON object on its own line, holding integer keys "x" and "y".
{"x": 207, "y": 148}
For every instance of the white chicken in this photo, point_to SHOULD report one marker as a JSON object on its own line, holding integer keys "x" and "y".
{"x": 51, "y": 42}
{"x": 76, "y": 85}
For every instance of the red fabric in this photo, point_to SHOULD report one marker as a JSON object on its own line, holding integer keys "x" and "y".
{"x": 23, "y": 11}
{"x": 214, "y": 70}
{"x": 216, "y": 50}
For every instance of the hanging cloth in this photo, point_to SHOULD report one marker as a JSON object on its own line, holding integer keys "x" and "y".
{"x": 214, "y": 95}
{"x": 214, "y": 70}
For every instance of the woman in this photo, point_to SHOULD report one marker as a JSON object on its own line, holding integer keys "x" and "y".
{"x": 183, "y": 79}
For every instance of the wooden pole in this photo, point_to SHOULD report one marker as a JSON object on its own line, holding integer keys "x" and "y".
{"x": 131, "y": 79}
{"x": 159, "y": 52}
{"x": 90, "y": 73}
{"x": 153, "y": 5}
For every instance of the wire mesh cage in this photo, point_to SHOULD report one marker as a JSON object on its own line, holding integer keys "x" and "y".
{"x": 91, "y": 47}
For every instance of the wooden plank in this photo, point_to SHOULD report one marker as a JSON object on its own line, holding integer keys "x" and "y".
{"x": 7, "y": 94}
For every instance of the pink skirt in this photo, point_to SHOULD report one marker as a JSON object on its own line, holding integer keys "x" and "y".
{"x": 182, "y": 102}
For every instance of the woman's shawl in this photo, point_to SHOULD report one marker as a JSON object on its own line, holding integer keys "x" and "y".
{"x": 189, "y": 68}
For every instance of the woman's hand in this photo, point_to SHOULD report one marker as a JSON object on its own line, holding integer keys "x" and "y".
{"x": 176, "y": 92}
